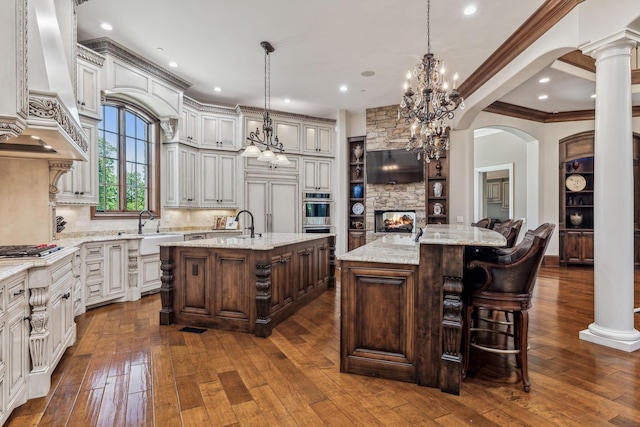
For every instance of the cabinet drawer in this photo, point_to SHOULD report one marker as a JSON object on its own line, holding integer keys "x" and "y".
{"x": 94, "y": 269}
{"x": 94, "y": 291}
{"x": 93, "y": 251}
{"x": 16, "y": 290}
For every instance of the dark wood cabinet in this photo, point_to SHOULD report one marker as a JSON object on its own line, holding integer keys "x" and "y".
{"x": 357, "y": 223}
{"x": 576, "y": 198}
{"x": 577, "y": 247}
{"x": 243, "y": 289}
{"x": 436, "y": 184}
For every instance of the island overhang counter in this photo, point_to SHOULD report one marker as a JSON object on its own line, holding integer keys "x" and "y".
{"x": 401, "y": 305}
{"x": 241, "y": 283}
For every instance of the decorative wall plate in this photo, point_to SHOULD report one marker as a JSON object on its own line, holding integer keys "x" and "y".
{"x": 357, "y": 208}
{"x": 576, "y": 182}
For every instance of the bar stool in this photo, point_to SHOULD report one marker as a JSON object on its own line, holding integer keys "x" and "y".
{"x": 508, "y": 286}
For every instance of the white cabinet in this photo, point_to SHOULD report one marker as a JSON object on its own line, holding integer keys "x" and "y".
{"x": 150, "y": 273}
{"x": 180, "y": 169}
{"x": 104, "y": 268}
{"x": 274, "y": 203}
{"x": 79, "y": 186}
{"x": 187, "y": 173}
{"x": 317, "y": 175}
{"x": 288, "y": 132}
{"x": 318, "y": 140}
{"x": 88, "y": 89}
{"x": 218, "y": 172}
{"x": 14, "y": 344}
{"x": 218, "y": 132}
{"x": 189, "y": 125}
{"x": 199, "y": 178}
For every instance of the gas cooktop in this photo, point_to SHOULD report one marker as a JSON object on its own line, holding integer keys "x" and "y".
{"x": 17, "y": 251}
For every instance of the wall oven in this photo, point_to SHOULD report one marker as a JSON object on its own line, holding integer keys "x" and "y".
{"x": 316, "y": 212}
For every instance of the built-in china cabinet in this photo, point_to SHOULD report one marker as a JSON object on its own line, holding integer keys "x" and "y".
{"x": 356, "y": 225}
{"x": 436, "y": 182}
{"x": 576, "y": 191}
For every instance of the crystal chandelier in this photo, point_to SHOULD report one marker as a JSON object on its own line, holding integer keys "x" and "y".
{"x": 267, "y": 138}
{"x": 430, "y": 105}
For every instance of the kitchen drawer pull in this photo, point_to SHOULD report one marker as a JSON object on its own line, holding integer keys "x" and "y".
{"x": 66, "y": 295}
{"x": 20, "y": 292}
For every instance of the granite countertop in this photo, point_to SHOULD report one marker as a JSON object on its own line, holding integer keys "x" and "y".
{"x": 260, "y": 243}
{"x": 11, "y": 266}
{"x": 459, "y": 234}
{"x": 391, "y": 249}
{"x": 402, "y": 249}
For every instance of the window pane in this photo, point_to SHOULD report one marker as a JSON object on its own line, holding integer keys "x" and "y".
{"x": 130, "y": 124}
{"x": 109, "y": 118}
{"x": 141, "y": 151}
{"x": 142, "y": 175}
{"x": 111, "y": 198}
{"x": 141, "y": 129}
{"x": 131, "y": 150}
{"x": 111, "y": 144}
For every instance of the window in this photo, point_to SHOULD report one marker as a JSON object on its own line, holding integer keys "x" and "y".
{"x": 128, "y": 159}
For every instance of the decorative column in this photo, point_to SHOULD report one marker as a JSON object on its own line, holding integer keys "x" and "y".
{"x": 613, "y": 189}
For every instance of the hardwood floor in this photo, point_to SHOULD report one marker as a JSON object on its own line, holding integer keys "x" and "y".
{"x": 126, "y": 370}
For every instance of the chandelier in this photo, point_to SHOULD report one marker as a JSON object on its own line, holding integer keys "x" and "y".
{"x": 266, "y": 138}
{"x": 430, "y": 105}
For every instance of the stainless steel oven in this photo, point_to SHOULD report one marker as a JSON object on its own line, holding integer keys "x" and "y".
{"x": 316, "y": 212}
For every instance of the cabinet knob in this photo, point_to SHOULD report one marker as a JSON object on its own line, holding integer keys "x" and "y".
{"x": 66, "y": 295}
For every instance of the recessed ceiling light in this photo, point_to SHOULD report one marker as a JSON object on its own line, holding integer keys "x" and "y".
{"x": 593, "y": 96}
{"x": 173, "y": 64}
{"x": 344, "y": 88}
{"x": 368, "y": 73}
{"x": 106, "y": 26}
{"x": 470, "y": 10}
{"x": 543, "y": 97}
{"x": 217, "y": 89}
{"x": 159, "y": 48}
{"x": 544, "y": 80}
{"x": 287, "y": 100}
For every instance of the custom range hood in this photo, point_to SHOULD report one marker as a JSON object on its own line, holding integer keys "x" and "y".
{"x": 38, "y": 111}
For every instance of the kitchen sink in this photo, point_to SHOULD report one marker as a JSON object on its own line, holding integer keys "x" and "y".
{"x": 149, "y": 243}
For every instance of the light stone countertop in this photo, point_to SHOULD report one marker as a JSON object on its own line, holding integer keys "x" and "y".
{"x": 12, "y": 266}
{"x": 392, "y": 249}
{"x": 260, "y": 243}
{"x": 459, "y": 234}
{"x": 402, "y": 249}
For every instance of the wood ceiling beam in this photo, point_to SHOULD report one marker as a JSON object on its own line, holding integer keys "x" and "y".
{"x": 547, "y": 15}
{"x": 525, "y": 113}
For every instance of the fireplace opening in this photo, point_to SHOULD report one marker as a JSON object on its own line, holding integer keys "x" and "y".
{"x": 393, "y": 221}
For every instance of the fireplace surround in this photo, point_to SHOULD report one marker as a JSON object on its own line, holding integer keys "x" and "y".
{"x": 395, "y": 221}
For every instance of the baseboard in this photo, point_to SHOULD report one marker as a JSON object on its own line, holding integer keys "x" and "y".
{"x": 551, "y": 261}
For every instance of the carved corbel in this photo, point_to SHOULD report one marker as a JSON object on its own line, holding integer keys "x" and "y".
{"x": 169, "y": 125}
{"x": 39, "y": 336}
{"x": 57, "y": 168}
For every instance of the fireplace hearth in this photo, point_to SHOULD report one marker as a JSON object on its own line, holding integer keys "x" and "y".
{"x": 394, "y": 221}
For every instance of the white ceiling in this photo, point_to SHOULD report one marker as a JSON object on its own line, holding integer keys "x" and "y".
{"x": 319, "y": 46}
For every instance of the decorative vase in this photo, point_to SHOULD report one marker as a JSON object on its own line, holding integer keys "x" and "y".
{"x": 357, "y": 191}
{"x": 437, "y": 189}
{"x": 576, "y": 219}
{"x": 357, "y": 152}
{"x": 575, "y": 165}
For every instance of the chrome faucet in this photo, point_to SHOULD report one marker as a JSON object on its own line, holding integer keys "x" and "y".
{"x": 140, "y": 223}
{"x": 251, "y": 227}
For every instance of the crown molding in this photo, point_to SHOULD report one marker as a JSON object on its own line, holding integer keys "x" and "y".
{"x": 244, "y": 109}
{"x": 106, "y": 46}
{"x": 525, "y": 113}
{"x": 88, "y": 55}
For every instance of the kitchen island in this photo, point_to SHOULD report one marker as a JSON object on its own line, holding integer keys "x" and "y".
{"x": 401, "y": 305}
{"x": 241, "y": 283}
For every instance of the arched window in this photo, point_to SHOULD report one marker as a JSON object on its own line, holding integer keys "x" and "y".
{"x": 128, "y": 162}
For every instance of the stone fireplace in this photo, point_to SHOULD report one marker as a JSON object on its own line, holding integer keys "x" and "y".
{"x": 394, "y": 221}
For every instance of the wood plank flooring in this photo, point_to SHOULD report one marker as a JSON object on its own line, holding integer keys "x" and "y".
{"x": 126, "y": 370}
